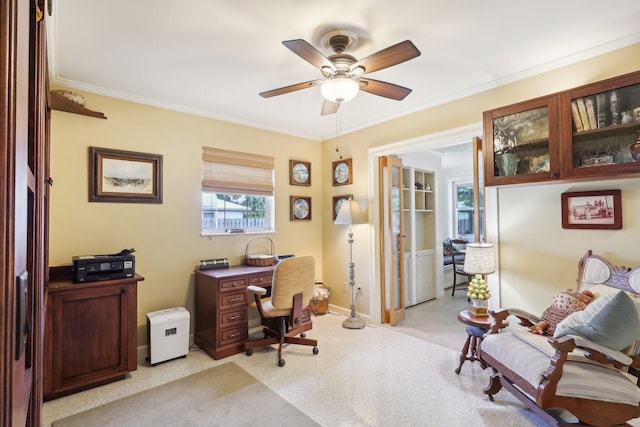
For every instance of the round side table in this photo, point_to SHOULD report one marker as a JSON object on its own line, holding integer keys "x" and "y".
{"x": 477, "y": 326}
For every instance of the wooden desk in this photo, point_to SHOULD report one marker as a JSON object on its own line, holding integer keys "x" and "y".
{"x": 222, "y": 307}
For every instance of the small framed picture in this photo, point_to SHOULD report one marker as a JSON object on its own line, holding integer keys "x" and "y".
{"x": 300, "y": 208}
{"x": 599, "y": 210}
{"x": 337, "y": 202}
{"x": 299, "y": 172}
{"x": 124, "y": 176}
{"x": 341, "y": 172}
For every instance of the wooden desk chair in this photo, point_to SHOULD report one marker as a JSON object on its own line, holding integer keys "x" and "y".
{"x": 458, "y": 264}
{"x": 281, "y": 315}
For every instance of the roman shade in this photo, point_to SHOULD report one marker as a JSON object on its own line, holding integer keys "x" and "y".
{"x": 234, "y": 172}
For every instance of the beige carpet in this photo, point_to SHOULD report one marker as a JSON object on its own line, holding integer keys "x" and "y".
{"x": 221, "y": 396}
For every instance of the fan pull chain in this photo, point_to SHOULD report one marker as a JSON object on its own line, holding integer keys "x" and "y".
{"x": 339, "y": 134}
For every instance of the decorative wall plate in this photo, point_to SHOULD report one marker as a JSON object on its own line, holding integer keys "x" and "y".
{"x": 300, "y": 208}
{"x": 299, "y": 172}
{"x": 341, "y": 172}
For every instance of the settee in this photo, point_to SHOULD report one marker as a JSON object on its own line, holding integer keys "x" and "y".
{"x": 453, "y": 251}
{"x": 589, "y": 369}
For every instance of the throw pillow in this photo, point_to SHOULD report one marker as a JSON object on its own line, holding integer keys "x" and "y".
{"x": 611, "y": 320}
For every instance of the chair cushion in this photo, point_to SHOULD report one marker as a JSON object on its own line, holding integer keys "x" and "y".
{"x": 611, "y": 320}
{"x": 581, "y": 380}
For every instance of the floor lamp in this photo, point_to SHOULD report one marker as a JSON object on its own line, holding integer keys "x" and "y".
{"x": 348, "y": 214}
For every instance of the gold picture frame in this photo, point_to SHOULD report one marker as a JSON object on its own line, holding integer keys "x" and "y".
{"x": 120, "y": 176}
{"x": 341, "y": 172}
{"x": 299, "y": 208}
{"x": 299, "y": 172}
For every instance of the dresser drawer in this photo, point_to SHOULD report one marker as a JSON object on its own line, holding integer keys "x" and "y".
{"x": 233, "y": 284}
{"x": 233, "y": 300}
{"x": 234, "y": 316}
{"x": 232, "y": 335}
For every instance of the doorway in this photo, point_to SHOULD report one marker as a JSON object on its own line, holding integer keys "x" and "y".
{"x": 438, "y": 145}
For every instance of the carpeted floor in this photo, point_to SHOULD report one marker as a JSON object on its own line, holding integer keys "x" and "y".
{"x": 376, "y": 376}
{"x": 225, "y": 395}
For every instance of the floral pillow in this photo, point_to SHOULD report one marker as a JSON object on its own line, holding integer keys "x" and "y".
{"x": 612, "y": 320}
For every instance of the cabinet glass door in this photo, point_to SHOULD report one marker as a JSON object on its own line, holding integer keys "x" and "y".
{"x": 605, "y": 131}
{"x": 522, "y": 143}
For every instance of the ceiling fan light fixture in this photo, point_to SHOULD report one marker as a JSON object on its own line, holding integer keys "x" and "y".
{"x": 339, "y": 89}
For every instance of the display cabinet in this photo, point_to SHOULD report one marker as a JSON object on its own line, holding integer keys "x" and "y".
{"x": 522, "y": 142}
{"x": 589, "y": 132}
{"x": 601, "y": 126}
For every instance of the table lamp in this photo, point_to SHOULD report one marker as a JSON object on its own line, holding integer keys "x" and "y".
{"x": 479, "y": 259}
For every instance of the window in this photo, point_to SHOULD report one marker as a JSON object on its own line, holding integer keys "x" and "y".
{"x": 463, "y": 211}
{"x": 237, "y": 192}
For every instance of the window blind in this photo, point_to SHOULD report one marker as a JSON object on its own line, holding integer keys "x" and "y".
{"x": 234, "y": 172}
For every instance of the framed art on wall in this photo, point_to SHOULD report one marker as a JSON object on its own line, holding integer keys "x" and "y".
{"x": 341, "y": 172}
{"x": 299, "y": 172}
{"x": 598, "y": 210}
{"x": 300, "y": 208}
{"x": 337, "y": 201}
{"x": 124, "y": 176}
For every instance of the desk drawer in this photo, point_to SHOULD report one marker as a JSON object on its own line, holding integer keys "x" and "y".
{"x": 234, "y": 316}
{"x": 233, "y": 335}
{"x": 261, "y": 280}
{"x": 233, "y": 284}
{"x": 233, "y": 300}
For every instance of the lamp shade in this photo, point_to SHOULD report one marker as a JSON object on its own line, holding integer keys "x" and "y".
{"x": 349, "y": 213}
{"x": 479, "y": 258}
{"x": 339, "y": 89}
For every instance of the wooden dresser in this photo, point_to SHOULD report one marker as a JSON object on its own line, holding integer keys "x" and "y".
{"x": 222, "y": 307}
{"x": 90, "y": 333}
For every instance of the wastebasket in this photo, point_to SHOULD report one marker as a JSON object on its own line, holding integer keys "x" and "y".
{"x": 320, "y": 301}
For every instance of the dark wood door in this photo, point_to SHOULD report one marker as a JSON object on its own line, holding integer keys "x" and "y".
{"x": 23, "y": 208}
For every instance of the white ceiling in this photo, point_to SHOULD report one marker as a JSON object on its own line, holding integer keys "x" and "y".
{"x": 213, "y": 57}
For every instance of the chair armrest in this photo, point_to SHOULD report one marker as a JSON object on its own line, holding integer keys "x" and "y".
{"x": 500, "y": 318}
{"x": 602, "y": 354}
{"x": 256, "y": 290}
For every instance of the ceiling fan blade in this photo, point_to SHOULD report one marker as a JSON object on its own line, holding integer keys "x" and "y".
{"x": 292, "y": 88}
{"x": 388, "y": 90}
{"x": 329, "y": 107}
{"x": 309, "y": 53}
{"x": 392, "y": 55}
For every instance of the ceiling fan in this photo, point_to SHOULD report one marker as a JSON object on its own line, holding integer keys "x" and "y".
{"x": 343, "y": 73}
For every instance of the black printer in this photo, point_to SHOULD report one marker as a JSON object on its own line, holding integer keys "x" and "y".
{"x": 93, "y": 268}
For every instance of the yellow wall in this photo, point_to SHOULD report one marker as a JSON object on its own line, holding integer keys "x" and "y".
{"x": 166, "y": 236}
{"x": 526, "y": 252}
{"x": 537, "y": 257}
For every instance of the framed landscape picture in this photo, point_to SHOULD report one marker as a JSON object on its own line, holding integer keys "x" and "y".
{"x": 300, "y": 208}
{"x": 341, "y": 172}
{"x": 598, "y": 210}
{"x": 124, "y": 176}
{"x": 299, "y": 172}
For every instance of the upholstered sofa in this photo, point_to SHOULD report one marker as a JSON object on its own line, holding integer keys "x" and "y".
{"x": 589, "y": 369}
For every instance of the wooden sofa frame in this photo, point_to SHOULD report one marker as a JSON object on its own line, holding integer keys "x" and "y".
{"x": 541, "y": 399}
